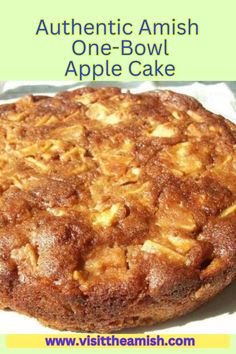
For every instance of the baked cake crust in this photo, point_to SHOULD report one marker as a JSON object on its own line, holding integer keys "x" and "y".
{"x": 117, "y": 210}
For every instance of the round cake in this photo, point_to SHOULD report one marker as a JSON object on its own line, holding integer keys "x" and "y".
{"x": 117, "y": 209}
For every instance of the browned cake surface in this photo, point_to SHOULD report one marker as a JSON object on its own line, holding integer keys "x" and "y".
{"x": 117, "y": 210}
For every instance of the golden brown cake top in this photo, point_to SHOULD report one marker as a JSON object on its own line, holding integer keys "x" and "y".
{"x": 96, "y": 184}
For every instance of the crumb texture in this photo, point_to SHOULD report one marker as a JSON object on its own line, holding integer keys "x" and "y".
{"x": 117, "y": 209}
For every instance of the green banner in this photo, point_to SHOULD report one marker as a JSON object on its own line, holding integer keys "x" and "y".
{"x": 118, "y": 41}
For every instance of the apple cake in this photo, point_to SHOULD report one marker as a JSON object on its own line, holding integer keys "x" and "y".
{"x": 117, "y": 209}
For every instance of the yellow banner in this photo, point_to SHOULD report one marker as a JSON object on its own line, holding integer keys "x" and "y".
{"x": 118, "y": 341}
